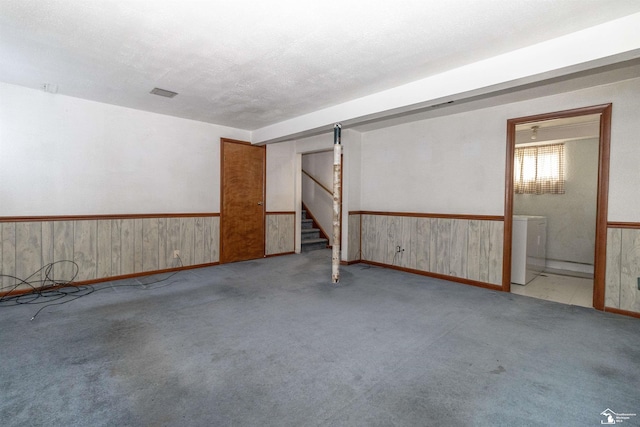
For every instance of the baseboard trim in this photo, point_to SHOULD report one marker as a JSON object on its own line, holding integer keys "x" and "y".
{"x": 622, "y": 312}
{"x": 109, "y": 279}
{"x": 568, "y": 266}
{"x": 437, "y": 276}
{"x": 280, "y": 254}
{"x": 350, "y": 262}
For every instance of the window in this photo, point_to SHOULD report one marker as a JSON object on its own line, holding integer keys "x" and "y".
{"x": 539, "y": 170}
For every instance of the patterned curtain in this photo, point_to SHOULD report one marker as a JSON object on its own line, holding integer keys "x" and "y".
{"x": 539, "y": 170}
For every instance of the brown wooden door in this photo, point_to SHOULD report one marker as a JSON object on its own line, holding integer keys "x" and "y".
{"x": 242, "y": 201}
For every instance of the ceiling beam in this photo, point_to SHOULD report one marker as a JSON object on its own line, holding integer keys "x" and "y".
{"x": 598, "y": 46}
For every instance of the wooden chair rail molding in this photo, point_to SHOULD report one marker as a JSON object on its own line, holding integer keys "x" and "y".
{"x": 432, "y": 215}
{"x": 317, "y": 182}
{"x": 103, "y": 217}
{"x": 631, "y": 225}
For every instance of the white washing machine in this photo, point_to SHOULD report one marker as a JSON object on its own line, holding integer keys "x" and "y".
{"x": 528, "y": 248}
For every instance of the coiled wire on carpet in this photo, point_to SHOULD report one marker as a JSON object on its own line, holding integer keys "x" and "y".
{"x": 49, "y": 291}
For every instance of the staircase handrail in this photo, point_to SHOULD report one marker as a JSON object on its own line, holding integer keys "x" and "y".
{"x": 317, "y": 182}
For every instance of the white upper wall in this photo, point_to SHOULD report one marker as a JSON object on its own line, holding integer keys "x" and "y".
{"x": 281, "y": 177}
{"x": 320, "y": 166}
{"x": 456, "y": 164}
{"x": 442, "y": 165}
{"x": 67, "y": 156}
{"x": 351, "y": 190}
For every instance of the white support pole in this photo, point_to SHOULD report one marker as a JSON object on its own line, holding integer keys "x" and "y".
{"x": 337, "y": 168}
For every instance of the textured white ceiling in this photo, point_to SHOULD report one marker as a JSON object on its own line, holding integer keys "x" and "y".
{"x": 251, "y": 63}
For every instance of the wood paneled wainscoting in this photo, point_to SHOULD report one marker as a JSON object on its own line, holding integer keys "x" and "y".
{"x": 280, "y": 233}
{"x": 461, "y": 248}
{"x": 104, "y": 247}
{"x": 355, "y": 232}
{"x": 623, "y": 268}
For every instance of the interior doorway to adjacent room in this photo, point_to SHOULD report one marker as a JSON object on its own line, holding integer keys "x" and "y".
{"x": 565, "y": 262}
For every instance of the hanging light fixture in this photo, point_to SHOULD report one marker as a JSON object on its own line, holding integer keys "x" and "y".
{"x": 534, "y": 132}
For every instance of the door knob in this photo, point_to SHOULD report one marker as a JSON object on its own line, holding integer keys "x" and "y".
{"x": 259, "y": 203}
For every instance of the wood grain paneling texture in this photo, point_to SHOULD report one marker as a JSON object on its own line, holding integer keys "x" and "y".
{"x": 443, "y": 246}
{"x": 28, "y": 243}
{"x": 457, "y": 247}
{"x": 62, "y": 251}
{"x": 623, "y": 268}
{"x": 47, "y": 243}
{"x": 612, "y": 275}
{"x": 8, "y": 253}
{"x": 473, "y": 251}
{"x": 629, "y": 270}
{"x": 116, "y": 247}
{"x": 496, "y": 242}
{"x": 104, "y": 247}
{"x": 85, "y": 249}
{"x": 423, "y": 244}
{"x": 150, "y": 239}
{"x": 198, "y": 242}
{"x": 280, "y": 233}
{"x": 187, "y": 240}
{"x": 104, "y": 250}
{"x": 354, "y": 237}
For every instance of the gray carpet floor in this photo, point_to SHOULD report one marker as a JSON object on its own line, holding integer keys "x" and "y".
{"x": 272, "y": 343}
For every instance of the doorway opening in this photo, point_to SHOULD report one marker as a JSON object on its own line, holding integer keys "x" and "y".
{"x": 317, "y": 200}
{"x": 555, "y": 226}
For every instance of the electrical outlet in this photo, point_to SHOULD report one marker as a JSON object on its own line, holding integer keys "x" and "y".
{"x": 176, "y": 253}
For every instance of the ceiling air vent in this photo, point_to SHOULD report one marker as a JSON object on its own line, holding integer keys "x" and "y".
{"x": 163, "y": 92}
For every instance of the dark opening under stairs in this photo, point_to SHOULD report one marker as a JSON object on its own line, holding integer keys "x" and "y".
{"x": 311, "y": 235}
